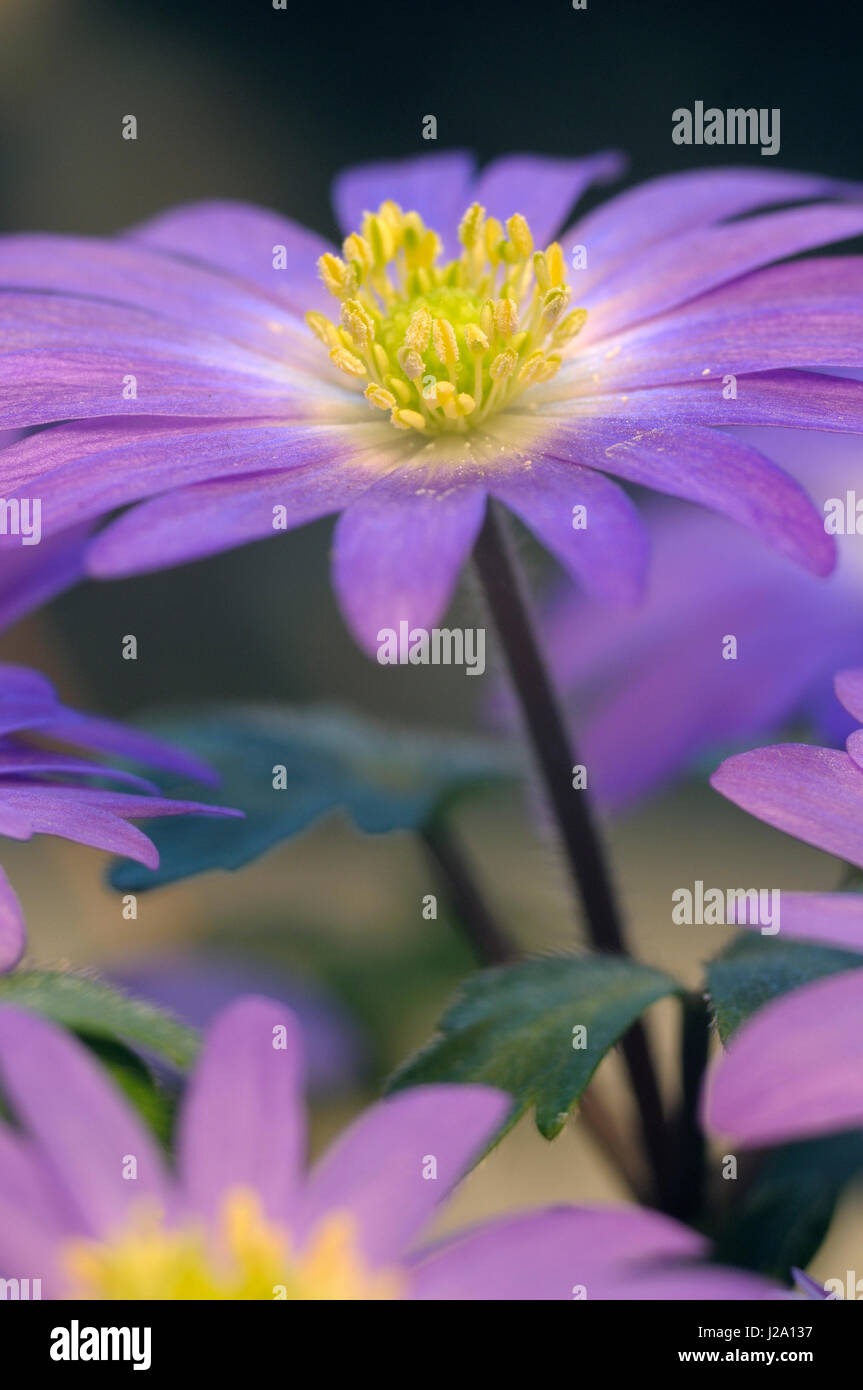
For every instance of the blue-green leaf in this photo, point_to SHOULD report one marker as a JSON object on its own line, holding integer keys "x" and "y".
{"x": 385, "y": 778}
{"x": 514, "y": 1027}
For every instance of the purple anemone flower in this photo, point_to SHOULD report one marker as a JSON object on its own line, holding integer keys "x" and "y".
{"x": 795, "y": 1069}
{"x": 88, "y": 1207}
{"x": 46, "y": 792}
{"x": 195, "y": 988}
{"x": 655, "y": 688}
{"x": 521, "y": 368}
{"x": 816, "y": 795}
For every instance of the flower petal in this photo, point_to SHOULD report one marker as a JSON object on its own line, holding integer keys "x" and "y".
{"x": 375, "y": 1171}
{"x": 804, "y": 400}
{"x": 13, "y": 932}
{"x": 548, "y": 1254}
{"x": 795, "y": 1069}
{"x": 85, "y": 1131}
{"x": 30, "y": 576}
{"x": 802, "y": 314}
{"x": 834, "y": 919}
{"x": 609, "y": 553}
{"x": 90, "y": 816}
{"x": 542, "y": 189}
{"x": 129, "y": 273}
{"x": 626, "y": 225}
{"x": 242, "y": 239}
{"x": 705, "y": 466}
{"x": 436, "y": 185}
{"x": 814, "y": 794}
{"x": 398, "y": 552}
{"x": 849, "y": 690}
{"x": 90, "y": 468}
{"x": 684, "y": 267}
{"x": 215, "y": 516}
{"x": 243, "y": 1123}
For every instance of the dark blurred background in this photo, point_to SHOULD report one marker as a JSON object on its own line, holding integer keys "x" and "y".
{"x": 236, "y": 99}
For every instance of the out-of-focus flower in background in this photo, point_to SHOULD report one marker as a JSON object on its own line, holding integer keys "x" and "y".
{"x": 655, "y": 689}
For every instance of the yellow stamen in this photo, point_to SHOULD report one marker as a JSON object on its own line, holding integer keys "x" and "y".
{"x": 494, "y": 322}
{"x": 245, "y": 1257}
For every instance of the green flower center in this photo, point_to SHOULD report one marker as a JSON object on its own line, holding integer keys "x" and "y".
{"x": 441, "y": 347}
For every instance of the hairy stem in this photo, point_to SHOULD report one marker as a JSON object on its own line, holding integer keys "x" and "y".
{"x": 556, "y": 757}
{"x": 489, "y": 943}
{"x": 492, "y": 946}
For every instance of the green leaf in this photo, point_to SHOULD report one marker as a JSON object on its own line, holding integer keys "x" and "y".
{"x": 512, "y": 1027}
{"x": 383, "y": 777}
{"x": 755, "y": 969}
{"x": 96, "y": 1010}
{"x": 134, "y": 1078}
{"x": 784, "y": 1214}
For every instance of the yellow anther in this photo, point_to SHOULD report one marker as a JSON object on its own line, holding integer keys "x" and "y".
{"x": 506, "y": 318}
{"x": 571, "y": 324}
{"x": 419, "y": 329}
{"x": 445, "y": 344}
{"x": 339, "y": 278}
{"x": 399, "y": 388}
{"x": 548, "y": 368}
{"x": 346, "y": 362}
{"x": 359, "y": 323}
{"x": 503, "y": 365}
{"x": 355, "y": 248}
{"x": 410, "y": 362}
{"x": 492, "y": 321}
{"x": 493, "y": 240}
{"x": 519, "y": 235}
{"x": 379, "y": 235}
{"x": 554, "y": 302}
{"x": 392, "y": 214}
{"x": 555, "y": 262}
{"x": 380, "y": 396}
{"x": 325, "y": 331}
{"x": 476, "y": 340}
{"x": 530, "y": 367}
{"x": 408, "y": 419}
{"x": 470, "y": 226}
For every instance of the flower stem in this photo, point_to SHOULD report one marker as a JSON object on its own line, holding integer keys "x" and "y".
{"x": 489, "y": 943}
{"x": 492, "y": 946}
{"x": 501, "y": 582}
{"x": 689, "y": 1137}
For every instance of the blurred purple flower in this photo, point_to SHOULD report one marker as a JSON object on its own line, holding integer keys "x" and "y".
{"x": 196, "y": 989}
{"x": 192, "y": 386}
{"x": 795, "y": 1069}
{"x": 816, "y": 795}
{"x": 41, "y": 791}
{"x": 650, "y": 690}
{"x": 87, "y": 1206}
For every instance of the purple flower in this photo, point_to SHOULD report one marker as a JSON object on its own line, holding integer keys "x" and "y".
{"x": 88, "y": 1207}
{"x": 816, "y": 795}
{"x": 42, "y": 791}
{"x": 524, "y": 369}
{"x": 196, "y": 988}
{"x": 795, "y": 1069}
{"x": 654, "y": 688}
